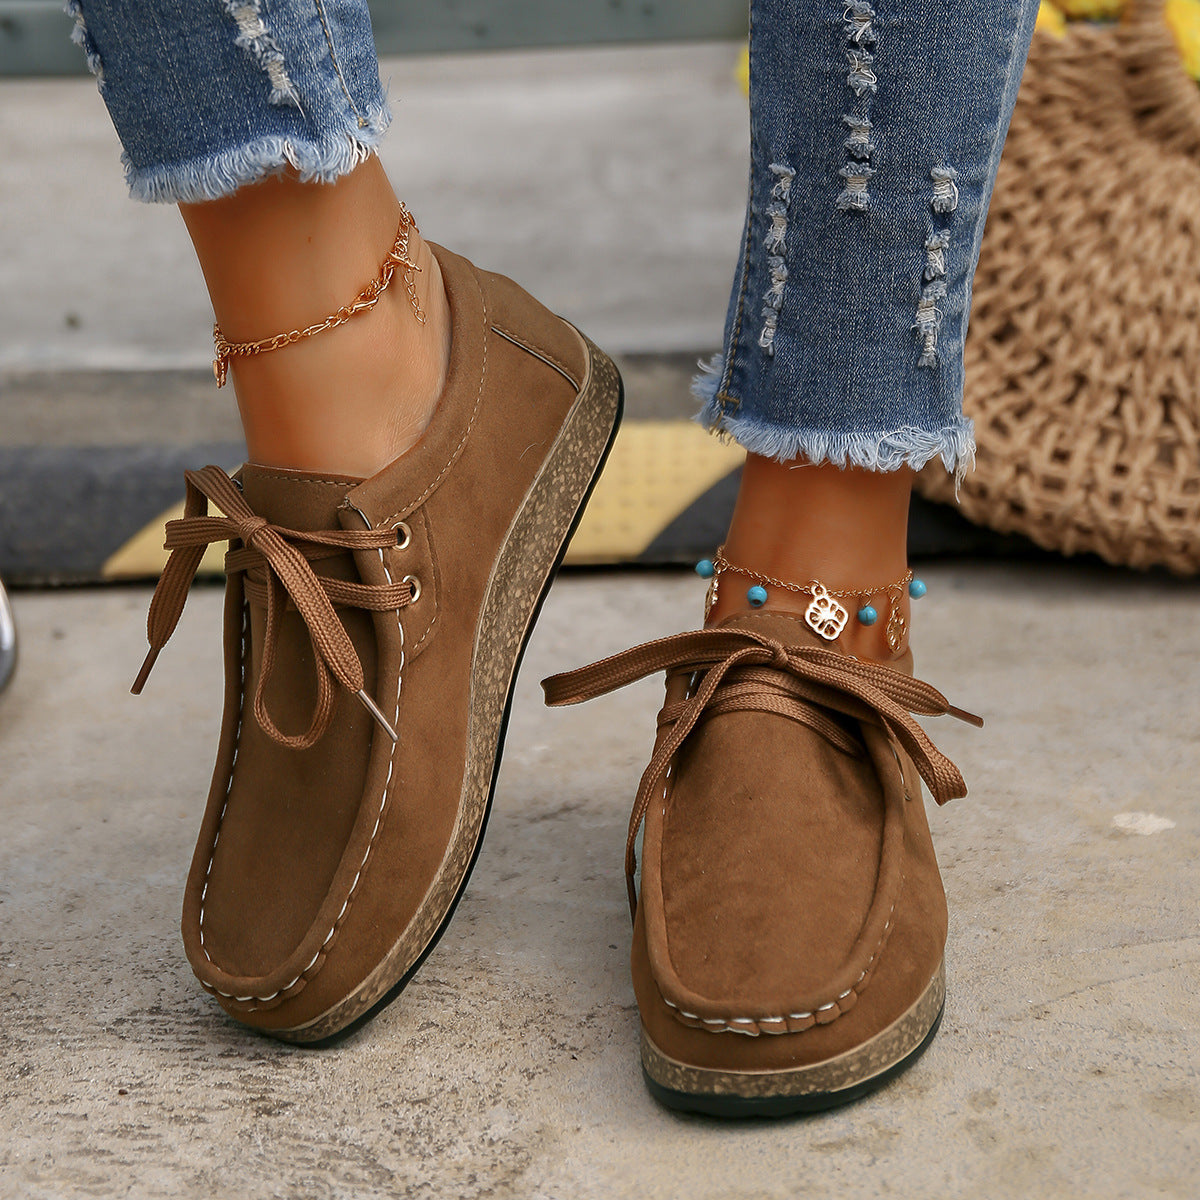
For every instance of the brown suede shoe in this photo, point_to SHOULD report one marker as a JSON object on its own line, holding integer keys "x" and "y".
{"x": 372, "y": 637}
{"x": 789, "y": 930}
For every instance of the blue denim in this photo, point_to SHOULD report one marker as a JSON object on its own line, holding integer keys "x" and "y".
{"x": 208, "y": 95}
{"x": 875, "y": 134}
{"x": 876, "y": 131}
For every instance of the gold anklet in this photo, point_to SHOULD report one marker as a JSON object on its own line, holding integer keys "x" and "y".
{"x": 398, "y": 256}
{"x": 824, "y": 615}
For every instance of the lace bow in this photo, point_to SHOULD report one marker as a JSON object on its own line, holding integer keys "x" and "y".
{"x": 284, "y": 558}
{"x": 738, "y": 670}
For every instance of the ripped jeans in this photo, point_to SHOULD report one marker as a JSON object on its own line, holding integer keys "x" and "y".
{"x": 209, "y": 95}
{"x": 875, "y": 133}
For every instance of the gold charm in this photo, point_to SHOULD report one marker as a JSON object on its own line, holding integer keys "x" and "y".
{"x": 825, "y": 615}
{"x": 897, "y": 626}
{"x": 710, "y": 597}
{"x": 401, "y": 259}
{"x": 398, "y": 258}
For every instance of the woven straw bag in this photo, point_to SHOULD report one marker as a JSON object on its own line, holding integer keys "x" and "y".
{"x": 1084, "y": 350}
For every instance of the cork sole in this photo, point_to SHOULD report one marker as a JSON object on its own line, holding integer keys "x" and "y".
{"x": 812, "y": 1088}
{"x": 521, "y": 576}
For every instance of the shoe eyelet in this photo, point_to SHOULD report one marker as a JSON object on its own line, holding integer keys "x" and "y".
{"x": 416, "y": 587}
{"x": 403, "y": 535}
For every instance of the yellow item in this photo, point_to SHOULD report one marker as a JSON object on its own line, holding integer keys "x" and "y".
{"x": 656, "y": 471}
{"x": 1183, "y": 19}
{"x": 1091, "y": 10}
{"x": 1050, "y": 20}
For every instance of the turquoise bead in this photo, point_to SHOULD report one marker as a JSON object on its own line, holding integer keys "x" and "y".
{"x": 867, "y": 615}
{"x": 757, "y": 596}
{"x": 917, "y": 588}
{"x": 705, "y": 568}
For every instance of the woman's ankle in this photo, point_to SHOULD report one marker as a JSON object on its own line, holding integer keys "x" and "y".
{"x": 353, "y": 399}
{"x": 281, "y": 256}
{"x": 846, "y": 529}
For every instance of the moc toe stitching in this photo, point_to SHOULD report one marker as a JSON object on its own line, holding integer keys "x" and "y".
{"x": 793, "y": 1022}
{"x": 822, "y": 1004}
{"x": 253, "y": 992}
{"x": 788, "y": 883}
{"x": 286, "y": 980}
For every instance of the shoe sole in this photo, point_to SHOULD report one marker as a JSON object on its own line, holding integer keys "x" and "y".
{"x": 524, "y": 569}
{"x": 810, "y": 1089}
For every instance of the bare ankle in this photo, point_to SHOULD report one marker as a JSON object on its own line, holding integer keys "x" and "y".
{"x": 281, "y": 255}
{"x": 844, "y": 529}
{"x": 357, "y": 397}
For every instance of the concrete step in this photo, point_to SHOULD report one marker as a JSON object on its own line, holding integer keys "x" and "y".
{"x": 92, "y": 462}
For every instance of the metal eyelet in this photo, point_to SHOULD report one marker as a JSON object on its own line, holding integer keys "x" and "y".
{"x": 403, "y": 535}
{"x": 416, "y": 587}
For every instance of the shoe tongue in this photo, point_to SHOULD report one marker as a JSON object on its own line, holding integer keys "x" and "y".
{"x": 789, "y": 628}
{"x": 792, "y": 630}
{"x": 294, "y": 499}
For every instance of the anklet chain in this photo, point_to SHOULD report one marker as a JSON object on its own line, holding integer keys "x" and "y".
{"x": 398, "y": 256}
{"x": 824, "y": 615}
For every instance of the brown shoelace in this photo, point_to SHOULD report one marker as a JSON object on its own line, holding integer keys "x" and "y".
{"x": 740, "y": 670}
{"x": 278, "y": 568}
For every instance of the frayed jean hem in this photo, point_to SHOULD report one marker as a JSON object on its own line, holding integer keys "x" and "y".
{"x": 888, "y": 450}
{"x": 321, "y": 160}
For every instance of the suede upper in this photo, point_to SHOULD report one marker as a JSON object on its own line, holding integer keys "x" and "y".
{"x": 789, "y": 891}
{"x": 312, "y": 863}
{"x": 788, "y": 888}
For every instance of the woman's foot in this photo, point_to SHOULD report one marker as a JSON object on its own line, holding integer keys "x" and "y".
{"x": 788, "y": 890}
{"x": 283, "y": 255}
{"x": 372, "y": 638}
{"x": 844, "y": 527}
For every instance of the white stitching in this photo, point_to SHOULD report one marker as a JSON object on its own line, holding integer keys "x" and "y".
{"x": 399, "y": 683}
{"x": 466, "y": 433}
{"x": 237, "y": 741}
{"x": 374, "y": 831}
{"x": 727, "y": 1023}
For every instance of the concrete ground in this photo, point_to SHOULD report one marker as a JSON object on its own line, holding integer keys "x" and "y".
{"x": 1066, "y": 1066}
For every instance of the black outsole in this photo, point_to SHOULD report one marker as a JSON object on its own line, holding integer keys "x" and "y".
{"x": 742, "y": 1107}
{"x": 289, "y": 1035}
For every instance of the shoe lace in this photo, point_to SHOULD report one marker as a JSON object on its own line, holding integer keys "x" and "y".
{"x": 277, "y": 563}
{"x": 734, "y": 670}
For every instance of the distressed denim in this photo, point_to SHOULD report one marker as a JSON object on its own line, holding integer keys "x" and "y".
{"x": 875, "y": 134}
{"x": 208, "y": 95}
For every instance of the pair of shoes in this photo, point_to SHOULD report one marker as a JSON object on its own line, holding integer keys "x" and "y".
{"x": 373, "y": 630}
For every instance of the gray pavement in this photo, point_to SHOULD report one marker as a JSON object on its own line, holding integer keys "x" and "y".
{"x": 1066, "y": 1066}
